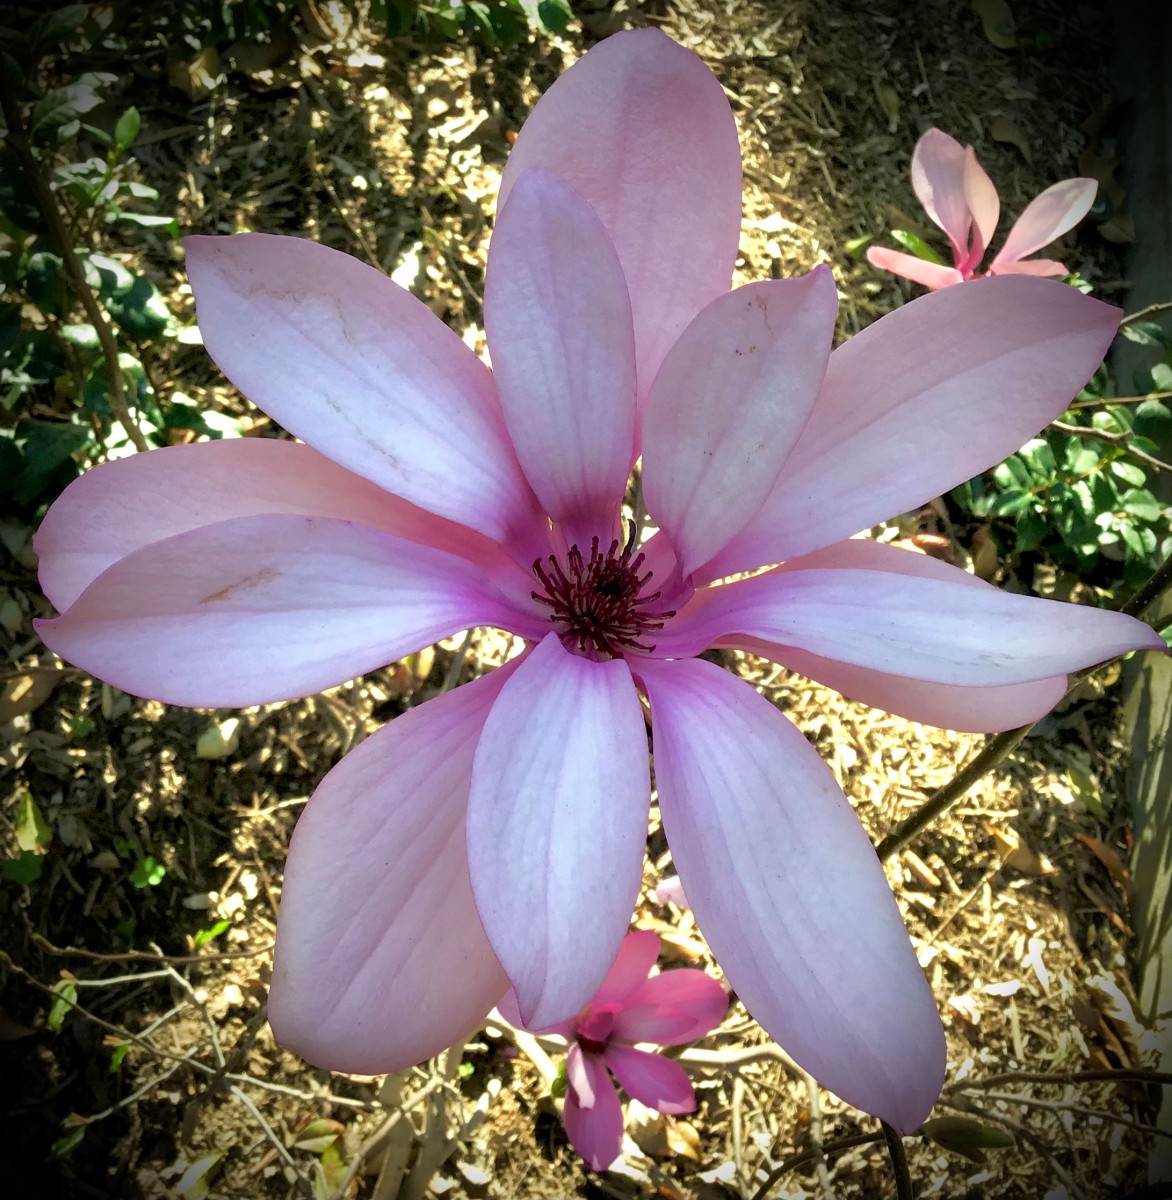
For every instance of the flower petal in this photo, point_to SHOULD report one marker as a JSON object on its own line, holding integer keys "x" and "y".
{"x": 581, "y": 1075}
{"x": 651, "y": 1079}
{"x": 637, "y": 955}
{"x": 982, "y": 201}
{"x": 729, "y": 404}
{"x": 918, "y": 270}
{"x": 938, "y": 630}
{"x": 642, "y": 129}
{"x": 264, "y": 608}
{"x": 1044, "y": 267}
{"x": 1047, "y": 216}
{"x": 381, "y": 960}
{"x": 558, "y": 320}
{"x": 926, "y": 397}
{"x": 976, "y": 710}
{"x": 789, "y": 894}
{"x": 557, "y": 825}
{"x": 938, "y": 180}
{"x": 363, "y": 371}
{"x": 596, "y": 1133}
{"x": 123, "y": 505}
{"x": 684, "y": 991}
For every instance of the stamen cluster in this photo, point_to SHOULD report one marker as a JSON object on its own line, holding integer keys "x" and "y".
{"x": 597, "y": 603}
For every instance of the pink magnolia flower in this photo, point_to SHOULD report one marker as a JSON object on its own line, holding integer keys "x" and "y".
{"x": 670, "y": 1009}
{"x": 494, "y": 836}
{"x": 960, "y": 198}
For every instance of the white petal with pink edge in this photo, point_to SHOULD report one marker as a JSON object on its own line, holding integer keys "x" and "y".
{"x": 642, "y": 129}
{"x": 381, "y": 961}
{"x": 264, "y": 608}
{"x": 361, "y": 370}
{"x": 557, "y": 824}
{"x": 983, "y": 202}
{"x": 121, "y": 506}
{"x": 788, "y": 892}
{"x": 728, "y": 406}
{"x": 558, "y": 320}
{"x": 925, "y": 398}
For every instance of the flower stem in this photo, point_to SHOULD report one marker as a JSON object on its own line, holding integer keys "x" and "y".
{"x": 998, "y": 747}
{"x": 903, "y": 1177}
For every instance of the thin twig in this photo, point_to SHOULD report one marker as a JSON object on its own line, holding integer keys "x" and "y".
{"x": 1123, "y": 440}
{"x": 903, "y": 1177}
{"x": 814, "y": 1104}
{"x": 143, "y": 956}
{"x": 1120, "y": 400}
{"x": 303, "y": 1184}
{"x": 59, "y": 235}
{"x": 1152, "y": 310}
{"x": 1063, "y": 1078}
{"x": 1080, "y": 1110}
{"x": 1002, "y": 744}
{"x": 805, "y": 1157}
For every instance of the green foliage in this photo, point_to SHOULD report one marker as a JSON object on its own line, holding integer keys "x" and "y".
{"x": 147, "y": 873}
{"x": 1081, "y": 502}
{"x": 207, "y": 935}
{"x": 914, "y": 244}
{"x": 64, "y": 998}
{"x": 495, "y": 22}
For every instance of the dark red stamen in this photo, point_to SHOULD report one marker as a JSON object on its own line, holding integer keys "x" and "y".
{"x": 597, "y": 603}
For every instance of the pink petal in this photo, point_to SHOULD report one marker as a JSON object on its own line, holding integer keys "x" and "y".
{"x": 938, "y": 630}
{"x": 680, "y": 992}
{"x": 652, "y": 1079}
{"x": 978, "y": 710}
{"x": 1048, "y": 216}
{"x": 363, "y": 371}
{"x": 582, "y": 1074}
{"x": 637, "y": 955}
{"x": 121, "y": 506}
{"x": 381, "y": 960}
{"x": 653, "y": 1023}
{"x": 953, "y": 383}
{"x": 938, "y": 180}
{"x": 982, "y": 201}
{"x": 728, "y": 405}
{"x": 557, "y": 823}
{"x": 788, "y": 891}
{"x": 918, "y": 270}
{"x": 264, "y": 608}
{"x": 641, "y": 128}
{"x": 1044, "y": 267}
{"x": 596, "y": 1133}
{"x": 563, "y": 351}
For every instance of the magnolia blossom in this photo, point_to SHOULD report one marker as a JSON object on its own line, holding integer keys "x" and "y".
{"x": 961, "y": 199}
{"x": 494, "y": 836}
{"x": 670, "y": 1008}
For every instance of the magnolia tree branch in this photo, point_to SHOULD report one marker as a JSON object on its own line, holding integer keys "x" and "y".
{"x": 1152, "y": 310}
{"x": 1113, "y": 439}
{"x": 903, "y": 1177}
{"x": 59, "y": 235}
{"x": 1002, "y": 744}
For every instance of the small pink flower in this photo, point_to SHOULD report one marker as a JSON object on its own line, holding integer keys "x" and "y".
{"x": 960, "y": 197}
{"x": 669, "y": 1009}
{"x": 496, "y": 834}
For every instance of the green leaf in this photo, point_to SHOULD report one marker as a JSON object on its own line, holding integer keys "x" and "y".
{"x": 1146, "y": 333}
{"x": 133, "y": 301}
{"x": 557, "y": 1086}
{"x": 150, "y": 221}
{"x": 1086, "y": 789}
{"x": 1031, "y": 530}
{"x": 117, "y": 1055}
{"x": 147, "y": 873}
{"x": 1010, "y": 503}
{"x": 65, "y": 991}
{"x": 65, "y": 1145}
{"x": 54, "y": 27}
{"x": 1038, "y": 454}
{"x": 1131, "y": 539}
{"x": 45, "y": 282}
{"x": 1152, "y": 420}
{"x": 127, "y": 129}
{"x": 206, "y": 935}
{"x": 67, "y": 103}
{"x": 555, "y": 15}
{"x": 1081, "y": 458}
{"x": 914, "y": 244}
{"x": 1140, "y": 503}
{"x": 46, "y": 449}
{"x": 964, "y": 1136}
{"x": 855, "y": 246}
{"x": 1162, "y": 377}
{"x": 17, "y": 201}
{"x": 1128, "y": 472}
{"x": 23, "y": 870}
{"x": 32, "y": 831}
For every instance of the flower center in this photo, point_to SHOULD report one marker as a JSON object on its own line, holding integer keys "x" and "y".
{"x": 598, "y": 604}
